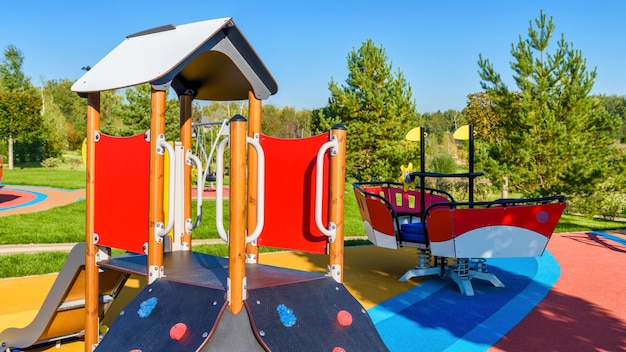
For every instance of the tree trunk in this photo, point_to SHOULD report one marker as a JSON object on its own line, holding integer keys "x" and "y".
{"x": 10, "y": 156}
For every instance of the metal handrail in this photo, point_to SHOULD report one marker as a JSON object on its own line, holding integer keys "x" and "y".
{"x": 199, "y": 187}
{"x": 162, "y": 231}
{"x": 260, "y": 209}
{"x": 331, "y": 230}
{"x": 219, "y": 192}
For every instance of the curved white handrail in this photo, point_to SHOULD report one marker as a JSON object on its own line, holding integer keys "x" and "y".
{"x": 219, "y": 190}
{"x": 331, "y": 231}
{"x": 260, "y": 209}
{"x": 162, "y": 231}
{"x": 199, "y": 187}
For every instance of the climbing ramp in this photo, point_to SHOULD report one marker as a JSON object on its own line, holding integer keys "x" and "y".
{"x": 286, "y": 310}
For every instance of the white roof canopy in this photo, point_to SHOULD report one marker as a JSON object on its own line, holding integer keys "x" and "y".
{"x": 210, "y": 60}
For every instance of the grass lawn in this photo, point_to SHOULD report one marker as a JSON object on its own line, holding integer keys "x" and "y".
{"x": 36, "y": 176}
{"x": 67, "y": 223}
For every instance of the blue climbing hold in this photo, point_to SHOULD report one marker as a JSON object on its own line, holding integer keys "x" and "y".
{"x": 286, "y": 315}
{"x": 146, "y": 307}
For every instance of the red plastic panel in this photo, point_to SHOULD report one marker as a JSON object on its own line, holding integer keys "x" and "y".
{"x": 290, "y": 193}
{"x": 375, "y": 213}
{"x": 440, "y": 226}
{"x": 541, "y": 218}
{"x": 405, "y": 201}
{"x": 121, "y": 192}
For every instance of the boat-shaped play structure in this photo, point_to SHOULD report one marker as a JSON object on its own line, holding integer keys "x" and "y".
{"x": 445, "y": 230}
{"x": 138, "y": 199}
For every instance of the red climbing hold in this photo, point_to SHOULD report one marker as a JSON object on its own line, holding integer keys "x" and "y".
{"x": 178, "y": 331}
{"x": 344, "y": 318}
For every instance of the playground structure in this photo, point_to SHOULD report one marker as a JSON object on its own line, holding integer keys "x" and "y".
{"x": 443, "y": 229}
{"x": 193, "y": 301}
{"x": 199, "y": 131}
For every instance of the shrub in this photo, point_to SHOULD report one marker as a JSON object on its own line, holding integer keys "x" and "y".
{"x": 51, "y": 163}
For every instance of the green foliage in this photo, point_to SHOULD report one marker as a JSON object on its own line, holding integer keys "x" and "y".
{"x": 12, "y": 78}
{"x": 21, "y": 120}
{"x": 66, "y": 111}
{"x": 377, "y": 109}
{"x": 51, "y": 163}
{"x": 286, "y": 122}
{"x": 616, "y": 106}
{"x": 136, "y": 114}
{"x": 20, "y": 114}
{"x": 69, "y": 104}
{"x": 608, "y": 199}
{"x": 219, "y": 111}
{"x": 443, "y": 163}
{"x": 553, "y": 137}
{"x": 54, "y": 128}
{"x": 438, "y": 123}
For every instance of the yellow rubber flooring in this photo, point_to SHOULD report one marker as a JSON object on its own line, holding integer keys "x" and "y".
{"x": 370, "y": 274}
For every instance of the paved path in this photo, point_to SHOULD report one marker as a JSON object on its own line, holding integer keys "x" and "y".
{"x": 63, "y": 247}
{"x": 29, "y": 199}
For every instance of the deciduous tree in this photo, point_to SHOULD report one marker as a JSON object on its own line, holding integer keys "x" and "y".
{"x": 18, "y": 94}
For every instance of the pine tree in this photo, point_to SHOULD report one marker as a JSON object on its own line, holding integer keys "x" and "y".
{"x": 553, "y": 137}
{"x": 377, "y": 109}
{"x": 136, "y": 113}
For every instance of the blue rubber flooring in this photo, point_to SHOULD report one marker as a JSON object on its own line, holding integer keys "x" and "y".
{"x": 435, "y": 316}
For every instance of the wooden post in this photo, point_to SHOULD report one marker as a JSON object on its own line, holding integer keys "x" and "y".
{"x": 155, "y": 207}
{"x": 91, "y": 248}
{"x": 254, "y": 126}
{"x": 186, "y": 110}
{"x": 237, "y": 233}
{"x": 337, "y": 199}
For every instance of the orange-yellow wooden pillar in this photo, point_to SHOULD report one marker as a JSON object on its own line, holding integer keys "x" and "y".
{"x": 186, "y": 110}
{"x": 237, "y": 232}
{"x": 254, "y": 127}
{"x": 336, "y": 211}
{"x": 91, "y": 249}
{"x": 155, "y": 207}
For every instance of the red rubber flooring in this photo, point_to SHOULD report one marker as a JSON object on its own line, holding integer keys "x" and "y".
{"x": 586, "y": 308}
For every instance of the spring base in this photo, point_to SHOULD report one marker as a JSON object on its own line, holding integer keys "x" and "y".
{"x": 424, "y": 266}
{"x": 462, "y": 273}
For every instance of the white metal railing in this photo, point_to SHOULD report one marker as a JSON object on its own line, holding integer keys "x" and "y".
{"x": 161, "y": 230}
{"x": 331, "y": 230}
{"x": 219, "y": 192}
{"x": 199, "y": 187}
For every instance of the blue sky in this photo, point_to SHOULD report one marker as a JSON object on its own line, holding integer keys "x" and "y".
{"x": 304, "y": 43}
